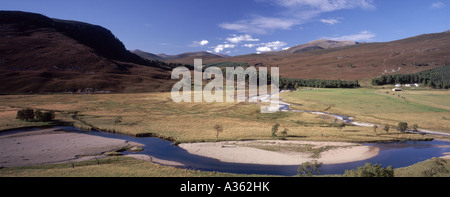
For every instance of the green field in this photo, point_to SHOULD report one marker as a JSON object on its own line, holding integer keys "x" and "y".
{"x": 429, "y": 109}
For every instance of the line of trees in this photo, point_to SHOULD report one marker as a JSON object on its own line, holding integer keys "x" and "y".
{"x": 31, "y": 115}
{"x": 286, "y": 83}
{"x": 167, "y": 65}
{"x": 435, "y": 78}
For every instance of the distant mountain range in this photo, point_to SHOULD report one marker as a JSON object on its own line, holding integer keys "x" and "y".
{"x": 349, "y": 60}
{"x": 40, "y": 54}
{"x": 147, "y": 55}
{"x": 310, "y": 46}
{"x": 162, "y": 56}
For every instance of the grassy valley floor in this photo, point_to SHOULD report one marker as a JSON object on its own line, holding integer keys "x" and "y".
{"x": 155, "y": 114}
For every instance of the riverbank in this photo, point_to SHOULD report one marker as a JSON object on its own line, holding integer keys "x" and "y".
{"x": 53, "y": 145}
{"x": 279, "y": 152}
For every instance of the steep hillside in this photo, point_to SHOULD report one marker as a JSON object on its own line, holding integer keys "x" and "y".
{"x": 40, "y": 54}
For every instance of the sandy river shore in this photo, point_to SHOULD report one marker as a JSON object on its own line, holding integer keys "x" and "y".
{"x": 53, "y": 146}
{"x": 279, "y": 152}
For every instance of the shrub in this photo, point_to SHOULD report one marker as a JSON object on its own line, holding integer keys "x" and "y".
{"x": 25, "y": 114}
{"x": 309, "y": 168}
{"x": 402, "y": 126}
{"x": 284, "y": 133}
{"x": 275, "y": 130}
{"x": 44, "y": 116}
{"x": 436, "y": 167}
{"x": 340, "y": 126}
{"x": 369, "y": 170}
{"x": 118, "y": 120}
{"x": 29, "y": 114}
{"x": 386, "y": 128}
{"x": 415, "y": 127}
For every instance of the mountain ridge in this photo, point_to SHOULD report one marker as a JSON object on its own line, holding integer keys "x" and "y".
{"x": 352, "y": 61}
{"x": 162, "y": 56}
{"x": 39, "y": 54}
{"x": 319, "y": 44}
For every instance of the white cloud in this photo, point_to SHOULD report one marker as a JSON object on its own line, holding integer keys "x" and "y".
{"x": 250, "y": 45}
{"x": 259, "y": 24}
{"x": 438, "y": 5}
{"x": 219, "y": 48}
{"x": 361, "y": 36}
{"x": 286, "y": 48}
{"x": 330, "y": 21}
{"x": 263, "y": 49}
{"x": 295, "y": 12}
{"x": 270, "y": 46}
{"x": 203, "y": 42}
{"x": 241, "y": 38}
{"x": 328, "y": 5}
{"x": 199, "y": 43}
{"x": 275, "y": 45}
{"x": 229, "y": 45}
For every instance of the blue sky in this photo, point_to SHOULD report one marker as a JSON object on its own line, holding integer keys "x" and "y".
{"x": 236, "y": 27}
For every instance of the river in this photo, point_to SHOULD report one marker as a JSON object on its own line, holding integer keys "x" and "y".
{"x": 395, "y": 154}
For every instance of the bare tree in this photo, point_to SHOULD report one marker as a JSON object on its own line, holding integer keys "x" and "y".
{"x": 386, "y": 128}
{"x": 118, "y": 120}
{"x": 415, "y": 127}
{"x": 275, "y": 130}
{"x": 219, "y": 129}
{"x": 340, "y": 126}
{"x": 375, "y": 129}
{"x": 284, "y": 133}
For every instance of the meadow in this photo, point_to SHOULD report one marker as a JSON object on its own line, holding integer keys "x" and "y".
{"x": 155, "y": 114}
{"x": 429, "y": 109}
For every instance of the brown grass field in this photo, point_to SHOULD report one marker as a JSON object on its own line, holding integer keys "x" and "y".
{"x": 157, "y": 114}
